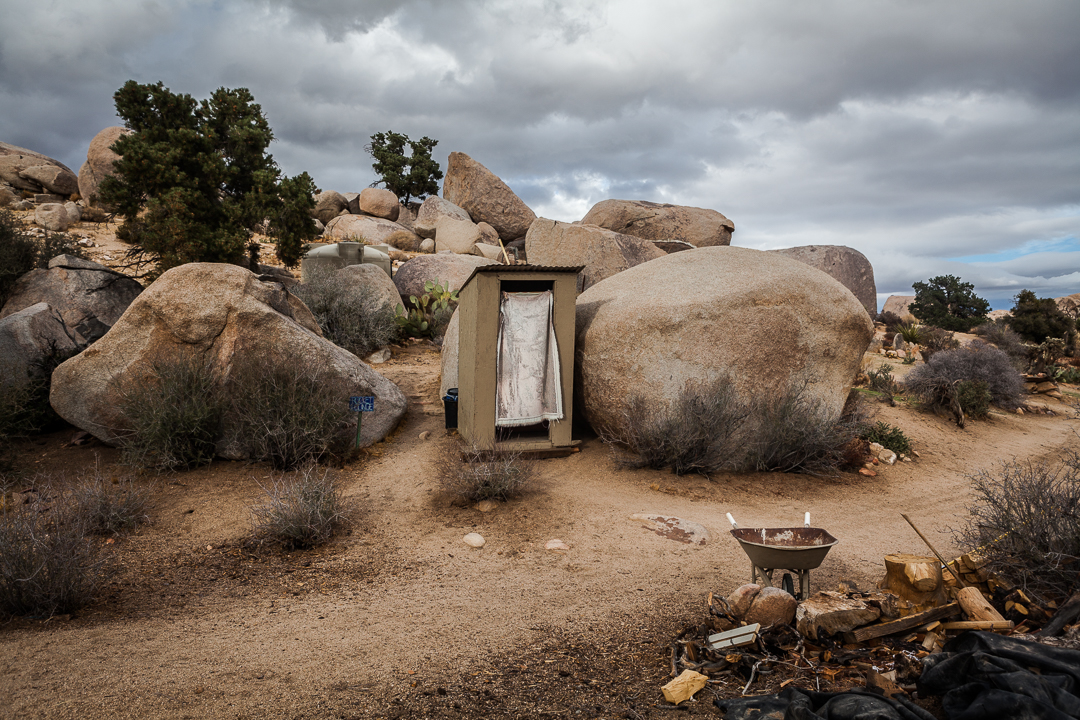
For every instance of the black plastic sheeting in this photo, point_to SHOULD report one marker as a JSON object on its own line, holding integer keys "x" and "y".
{"x": 982, "y": 676}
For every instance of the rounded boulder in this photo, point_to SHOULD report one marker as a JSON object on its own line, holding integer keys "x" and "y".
{"x": 767, "y": 323}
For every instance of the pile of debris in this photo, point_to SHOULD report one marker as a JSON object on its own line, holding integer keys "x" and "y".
{"x": 880, "y": 639}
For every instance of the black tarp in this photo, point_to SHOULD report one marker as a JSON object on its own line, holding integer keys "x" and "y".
{"x": 982, "y": 676}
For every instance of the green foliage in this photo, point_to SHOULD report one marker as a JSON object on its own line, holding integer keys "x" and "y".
{"x": 430, "y": 313}
{"x": 936, "y": 340}
{"x": 408, "y": 176}
{"x": 974, "y": 397}
{"x": 946, "y": 302}
{"x": 1069, "y": 374}
{"x": 911, "y": 332}
{"x": 881, "y": 379}
{"x": 888, "y": 436}
{"x": 194, "y": 178}
{"x": 173, "y": 414}
{"x": 300, "y": 512}
{"x": 348, "y": 314}
{"x": 1036, "y": 319}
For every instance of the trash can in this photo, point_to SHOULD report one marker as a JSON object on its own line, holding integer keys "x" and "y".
{"x": 450, "y": 408}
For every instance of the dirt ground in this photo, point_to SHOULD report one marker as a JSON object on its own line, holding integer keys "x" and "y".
{"x": 399, "y": 618}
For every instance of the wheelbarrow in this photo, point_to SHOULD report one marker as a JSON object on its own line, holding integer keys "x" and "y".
{"x": 799, "y": 550}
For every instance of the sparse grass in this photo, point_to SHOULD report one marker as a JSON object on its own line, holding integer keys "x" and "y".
{"x": 48, "y": 566}
{"x": 888, "y": 436}
{"x": 286, "y": 414}
{"x": 1024, "y": 520}
{"x": 173, "y": 414}
{"x": 300, "y": 511}
{"x": 472, "y": 474}
{"x": 348, "y": 314}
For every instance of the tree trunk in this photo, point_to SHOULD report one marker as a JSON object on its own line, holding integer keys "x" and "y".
{"x": 914, "y": 578}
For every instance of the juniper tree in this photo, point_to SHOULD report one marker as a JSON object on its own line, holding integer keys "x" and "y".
{"x": 194, "y": 178}
{"x": 408, "y": 176}
{"x": 948, "y": 303}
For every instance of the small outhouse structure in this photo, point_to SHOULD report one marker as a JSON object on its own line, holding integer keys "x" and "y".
{"x": 516, "y": 357}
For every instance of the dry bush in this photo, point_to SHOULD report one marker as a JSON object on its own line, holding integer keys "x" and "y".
{"x": 471, "y": 474}
{"x": 110, "y": 505}
{"x": 48, "y": 566}
{"x": 300, "y": 511}
{"x": 1024, "y": 520}
{"x": 697, "y": 433}
{"x": 937, "y": 382}
{"x": 1004, "y": 338}
{"x": 173, "y": 415}
{"x": 347, "y": 313}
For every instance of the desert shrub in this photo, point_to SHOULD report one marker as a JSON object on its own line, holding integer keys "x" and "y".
{"x": 110, "y": 506}
{"x": 695, "y": 433}
{"x": 796, "y": 433}
{"x": 301, "y": 511}
{"x": 1036, "y": 319}
{"x": 934, "y": 340}
{"x": 937, "y": 382}
{"x": 910, "y": 331}
{"x": 430, "y": 313}
{"x": 1023, "y": 520}
{"x": 47, "y": 564}
{"x": 974, "y": 397}
{"x": 173, "y": 414}
{"x": 21, "y": 252}
{"x": 471, "y": 474}
{"x": 1004, "y": 338}
{"x": 347, "y": 314}
{"x": 881, "y": 379}
{"x": 1067, "y": 374}
{"x": 286, "y": 414}
{"x": 892, "y": 320}
{"x": 888, "y": 436}
{"x": 24, "y": 402}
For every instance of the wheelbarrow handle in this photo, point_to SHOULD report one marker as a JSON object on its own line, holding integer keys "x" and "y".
{"x": 806, "y": 520}
{"x": 732, "y": 521}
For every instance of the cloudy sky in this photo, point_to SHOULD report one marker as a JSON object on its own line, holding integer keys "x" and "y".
{"x": 934, "y": 137}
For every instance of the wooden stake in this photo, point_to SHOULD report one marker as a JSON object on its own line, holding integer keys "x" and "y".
{"x": 936, "y": 553}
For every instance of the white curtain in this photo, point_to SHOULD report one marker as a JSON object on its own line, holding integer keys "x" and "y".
{"x": 529, "y": 386}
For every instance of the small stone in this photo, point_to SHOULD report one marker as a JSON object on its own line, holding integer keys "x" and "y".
{"x": 475, "y": 540}
{"x": 867, "y": 472}
{"x": 742, "y": 598}
{"x": 425, "y": 435}
{"x": 887, "y": 456}
{"x": 556, "y": 544}
{"x": 772, "y": 606}
{"x": 1019, "y": 411}
{"x": 907, "y": 459}
{"x": 486, "y": 505}
{"x": 378, "y": 357}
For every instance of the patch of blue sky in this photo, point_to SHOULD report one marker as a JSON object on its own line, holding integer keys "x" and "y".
{"x": 1066, "y": 244}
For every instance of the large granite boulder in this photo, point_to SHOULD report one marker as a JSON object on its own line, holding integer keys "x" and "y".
{"x": 850, "y": 267}
{"x": 27, "y": 339}
{"x": 28, "y": 170}
{"x": 443, "y": 267}
{"x": 486, "y": 198}
{"x": 456, "y": 235}
{"x": 53, "y": 217}
{"x": 767, "y": 323}
{"x": 380, "y": 203}
{"x": 328, "y": 205}
{"x": 381, "y": 289}
{"x": 700, "y": 227}
{"x": 1069, "y": 304}
{"x": 899, "y": 305}
{"x": 222, "y": 314}
{"x": 602, "y": 252}
{"x": 100, "y": 159}
{"x": 431, "y": 211}
{"x": 360, "y": 228}
{"x": 87, "y": 297}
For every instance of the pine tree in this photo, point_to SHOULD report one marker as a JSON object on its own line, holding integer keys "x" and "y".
{"x": 194, "y": 178}
{"x": 408, "y": 176}
{"x": 946, "y": 302}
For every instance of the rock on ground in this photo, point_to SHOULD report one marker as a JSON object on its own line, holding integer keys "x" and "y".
{"x": 87, "y": 297}
{"x": 27, "y": 338}
{"x": 379, "y": 285}
{"x": 700, "y": 227}
{"x": 742, "y": 598}
{"x": 443, "y": 267}
{"x": 486, "y": 198}
{"x": 52, "y": 216}
{"x": 828, "y": 613}
{"x": 456, "y": 235}
{"x": 766, "y": 322}
{"x": 772, "y": 606}
{"x": 898, "y": 305}
{"x": 221, "y": 313}
{"x": 328, "y": 205}
{"x": 848, "y": 266}
{"x": 431, "y": 211}
{"x": 380, "y": 203}
{"x": 603, "y": 252}
{"x": 674, "y": 528}
{"x": 361, "y": 228}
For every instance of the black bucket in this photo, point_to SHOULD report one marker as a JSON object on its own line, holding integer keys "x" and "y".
{"x": 450, "y": 407}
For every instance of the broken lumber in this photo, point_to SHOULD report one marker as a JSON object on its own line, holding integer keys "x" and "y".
{"x": 903, "y": 624}
{"x": 914, "y": 578}
{"x": 978, "y": 625}
{"x": 976, "y": 606}
{"x": 1065, "y": 615}
{"x": 829, "y": 613}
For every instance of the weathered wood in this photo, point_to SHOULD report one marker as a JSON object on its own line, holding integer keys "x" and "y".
{"x": 903, "y": 624}
{"x": 978, "y": 625}
{"x": 735, "y": 638}
{"x": 1065, "y": 615}
{"x": 976, "y": 605}
{"x": 915, "y": 578}
{"x": 936, "y": 553}
{"x": 830, "y": 613}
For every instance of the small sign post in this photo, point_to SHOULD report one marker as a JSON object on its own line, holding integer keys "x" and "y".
{"x": 361, "y": 404}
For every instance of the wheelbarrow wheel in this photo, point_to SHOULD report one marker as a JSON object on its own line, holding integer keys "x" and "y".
{"x": 788, "y": 584}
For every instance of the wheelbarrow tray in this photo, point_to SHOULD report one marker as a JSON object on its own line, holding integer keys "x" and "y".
{"x": 787, "y": 548}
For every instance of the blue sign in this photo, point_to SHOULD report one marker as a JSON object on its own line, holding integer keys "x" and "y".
{"x": 362, "y": 403}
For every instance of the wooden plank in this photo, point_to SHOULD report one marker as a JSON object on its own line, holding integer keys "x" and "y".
{"x": 903, "y": 624}
{"x": 735, "y": 638}
{"x": 978, "y": 625}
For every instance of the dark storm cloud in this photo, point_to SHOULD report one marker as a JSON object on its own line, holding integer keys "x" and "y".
{"x": 916, "y": 132}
